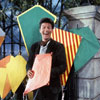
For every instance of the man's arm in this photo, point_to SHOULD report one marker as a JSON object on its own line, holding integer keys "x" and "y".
{"x": 59, "y": 65}
{"x": 30, "y": 72}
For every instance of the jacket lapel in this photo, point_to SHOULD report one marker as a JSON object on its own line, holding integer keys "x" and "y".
{"x": 38, "y": 48}
{"x": 50, "y": 46}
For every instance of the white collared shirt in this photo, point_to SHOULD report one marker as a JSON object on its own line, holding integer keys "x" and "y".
{"x": 44, "y": 48}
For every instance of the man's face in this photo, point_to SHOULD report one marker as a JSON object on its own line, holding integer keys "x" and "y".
{"x": 45, "y": 30}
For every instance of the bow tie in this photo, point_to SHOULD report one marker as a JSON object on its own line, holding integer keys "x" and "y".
{"x": 43, "y": 43}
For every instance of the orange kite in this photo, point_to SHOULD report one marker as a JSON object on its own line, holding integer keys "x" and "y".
{"x": 2, "y": 35}
{"x": 42, "y": 69}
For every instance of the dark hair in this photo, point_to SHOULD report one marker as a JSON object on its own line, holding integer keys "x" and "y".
{"x": 47, "y": 20}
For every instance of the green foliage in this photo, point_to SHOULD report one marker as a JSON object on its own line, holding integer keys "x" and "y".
{"x": 75, "y": 3}
{"x": 19, "y": 6}
{"x": 72, "y": 3}
{"x": 97, "y": 2}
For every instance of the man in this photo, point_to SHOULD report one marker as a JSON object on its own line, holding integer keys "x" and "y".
{"x": 47, "y": 45}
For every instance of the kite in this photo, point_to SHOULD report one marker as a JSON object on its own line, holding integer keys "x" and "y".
{"x": 28, "y": 23}
{"x": 2, "y": 35}
{"x": 71, "y": 43}
{"x": 12, "y": 73}
{"x": 89, "y": 46}
{"x": 42, "y": 70}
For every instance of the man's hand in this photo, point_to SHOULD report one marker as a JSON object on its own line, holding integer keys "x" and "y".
{"x": 30, "y": 74}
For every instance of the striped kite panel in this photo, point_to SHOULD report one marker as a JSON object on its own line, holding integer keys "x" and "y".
{"x": 71, "y": 43}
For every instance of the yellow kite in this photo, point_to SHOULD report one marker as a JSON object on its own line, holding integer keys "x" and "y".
{"x": 12, "y": 73}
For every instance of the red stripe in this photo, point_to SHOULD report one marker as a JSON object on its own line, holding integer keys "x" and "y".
{"x": 67, "y": 51}
{"x": 61, "y": 32}
{"x": 76, "y": 40}
{"x": 70, "y": 47}
{"x": 62, "y": 36}
{"x": 64, "y": 45}
{"x": 59, "y": 35}
{"x": 67, "y": 48}
{"x": 56, "y": 35}
{"x": 80, "y": 38}
{"x": 74, "y": 44}
{"x": 53, "y": 34}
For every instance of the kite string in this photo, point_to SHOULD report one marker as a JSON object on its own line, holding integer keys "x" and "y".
{"x": 35, "y": 94}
